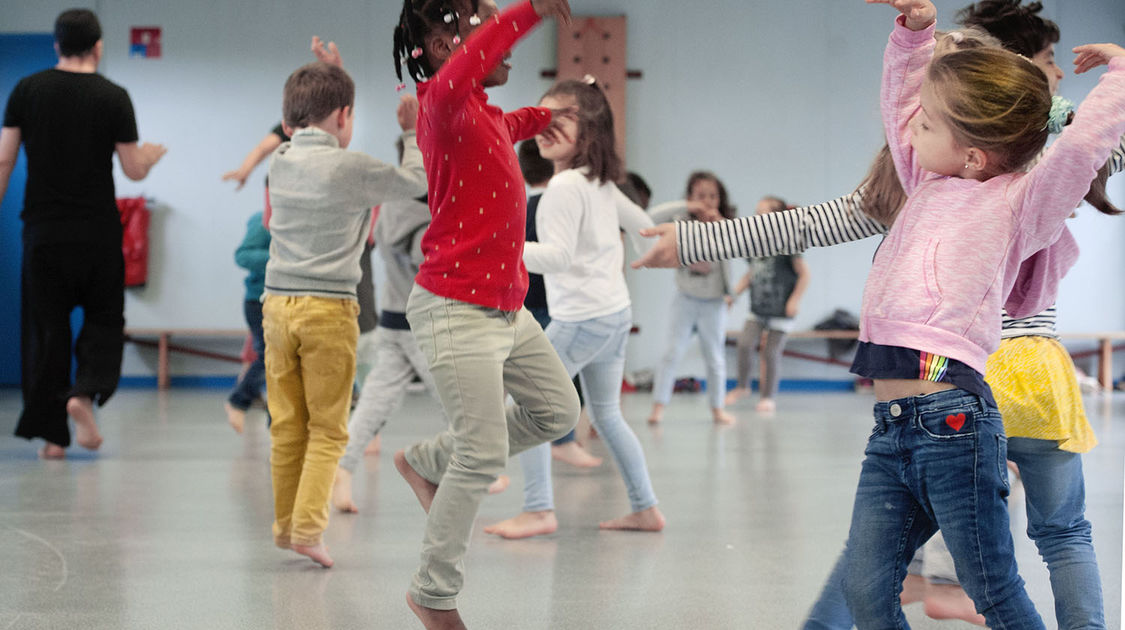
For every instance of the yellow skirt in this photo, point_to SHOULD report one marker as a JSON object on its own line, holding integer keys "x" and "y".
{"x": 1036, "y": 389}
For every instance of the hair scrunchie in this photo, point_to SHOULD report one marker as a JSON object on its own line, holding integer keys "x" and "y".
{"x": 1061, "y": 109}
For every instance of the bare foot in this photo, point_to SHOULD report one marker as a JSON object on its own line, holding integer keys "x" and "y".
{"x": 1014, "y": 469}
{"x": 236, "y": 417}
{"x": 657, "y": 414}
{"x": 342, "y": 492}
{"x": 422, "y": 488}
{"x": 766, "y": 405}
{"x": 721, "y": 416}
{"x": 735, "y": 395}
{"x": 525, "y": 525}
{"x": 572, "y": 453}
{"x": 948, "y": 601}
{"x": 913, "y": 589}
{"x": 52, "y": 451}
{"x": 318, "y": 553}
{"x": 650, "y": 520}
{"x": 81, "y": 408}
{"x": 434, "y": 619}
{"x": 375, "y": 446}
{"x": 500, "y": 485}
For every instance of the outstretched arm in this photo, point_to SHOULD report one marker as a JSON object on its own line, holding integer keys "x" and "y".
{"x": 260, "y": 152}
{"x": 138, "y": 159}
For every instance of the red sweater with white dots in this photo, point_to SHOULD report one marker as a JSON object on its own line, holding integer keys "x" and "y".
{"x": 474, "y": 246}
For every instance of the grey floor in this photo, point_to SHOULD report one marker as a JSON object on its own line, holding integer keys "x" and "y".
{"x": 168, "y": 526}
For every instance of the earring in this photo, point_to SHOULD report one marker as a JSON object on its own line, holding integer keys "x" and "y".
{"x": 456, "y": 40}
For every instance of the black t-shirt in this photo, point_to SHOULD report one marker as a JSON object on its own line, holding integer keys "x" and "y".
{"x": 70, "y": 124}
{"x": 279, "y": 131}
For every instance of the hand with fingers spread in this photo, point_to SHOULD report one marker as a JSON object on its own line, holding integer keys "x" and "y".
{"x": 663, "y": 253}
{"x": 407, "y": 112}
{"x": 559, "y": 9}
{"x": 328, "y": 53}
{"x": 1091, "y": 56}
{"x": 554, "y": 131}
{"x": 919, "y": 13}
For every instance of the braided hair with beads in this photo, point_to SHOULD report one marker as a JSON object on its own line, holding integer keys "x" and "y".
{"x": 418, "y": 20}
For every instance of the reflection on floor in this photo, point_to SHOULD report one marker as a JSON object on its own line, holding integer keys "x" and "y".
{"x": 168, "y": 527}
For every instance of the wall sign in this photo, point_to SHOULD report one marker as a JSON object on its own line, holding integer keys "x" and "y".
{"x": 144, "y": 41}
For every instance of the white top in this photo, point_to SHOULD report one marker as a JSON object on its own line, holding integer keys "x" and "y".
{"x": 580, "y": 252}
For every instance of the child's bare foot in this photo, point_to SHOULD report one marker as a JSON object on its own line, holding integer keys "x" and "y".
{"x": 500, "y": 485}
{"x": 236, "y": 417}
{"x": 657, "y": 414}
{"x": 318, "y": 553}
{"x": 721, "y": 416}
{"x": 433, "y": 619}
{"x": 422, "y": 488}
{"x": 374, "y": 446}
{"x": 52, "y": 451}
{"x": 650, "y": 520}
{"x": 572, "y": 453}
{"x": 913, "y": 589}
{"x": 735, "y": 395}
{"x": 342, "y": 492}
{"x": 525, "y": 525}
{"x": 949, "y": 601}
{"x": 81, "y": 408}
{"x": 766, "y": 405}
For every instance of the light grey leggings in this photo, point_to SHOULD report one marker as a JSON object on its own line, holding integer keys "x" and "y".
{"x": 770, "y": 360}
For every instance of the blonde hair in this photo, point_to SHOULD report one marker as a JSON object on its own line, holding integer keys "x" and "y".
{"x": 995, "y": 101}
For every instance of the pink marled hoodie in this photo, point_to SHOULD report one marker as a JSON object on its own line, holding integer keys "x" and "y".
{"x": 959, "y": 247}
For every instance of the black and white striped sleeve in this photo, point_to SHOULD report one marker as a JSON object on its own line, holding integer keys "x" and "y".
{"x": 1117, "y": 158}
{"x": 778, "y": 233}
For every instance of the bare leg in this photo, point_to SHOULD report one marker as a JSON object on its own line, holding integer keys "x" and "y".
{"x": 500, "y": 485}
{"x": 657, "y": 414}
{"x": 650, "y": 520}
{"x": 525, "y": 525}
{"x": 422, "y": 488}
{"x": 81, "y": 408}
{"x": 236, "y": 417}
{"x": 949, "y": 601}
{"x": 572, "y": 453}
{"x": 342, "y": 492}
{"x": 433, "y": 619}
{"x": 721, "y": 416}
{"x": 375, "y": 446}
{"x": 318, "y": 553}
{"x": 913, "y": 589}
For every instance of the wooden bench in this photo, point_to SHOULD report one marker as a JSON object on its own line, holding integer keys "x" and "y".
{"x": 161, "y": 339}
{"x": 1104, "y": 351}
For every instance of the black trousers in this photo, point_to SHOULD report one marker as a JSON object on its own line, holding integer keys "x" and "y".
{"x": 57, "y": 278}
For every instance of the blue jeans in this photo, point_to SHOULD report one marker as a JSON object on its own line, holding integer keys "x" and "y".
{"x": 543, "y": 316}
{"x": 595, "y": 350}
{"x": 249, "y": 387}
{"x": 935, "y": 461}
{"x": 1056, "y": 504}
{"x": 1055, "y": 491}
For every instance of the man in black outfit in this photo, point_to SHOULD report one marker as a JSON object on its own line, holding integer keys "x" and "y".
{"x": 71, "y": 120}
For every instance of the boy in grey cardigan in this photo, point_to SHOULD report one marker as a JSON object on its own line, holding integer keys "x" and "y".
{"x": 322, "y": 197}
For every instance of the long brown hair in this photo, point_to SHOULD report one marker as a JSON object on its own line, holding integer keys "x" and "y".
{"x": 725, "y": 208}
{"x": 596, "y": 144}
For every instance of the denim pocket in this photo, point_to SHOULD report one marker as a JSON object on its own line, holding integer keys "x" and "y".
{"x": 949, "y": 424}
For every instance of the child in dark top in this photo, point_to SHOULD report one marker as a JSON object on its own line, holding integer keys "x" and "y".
{"x": 776, "y": 285}
{"x": 252, "y": 255}
{"x": 466, "y": 308}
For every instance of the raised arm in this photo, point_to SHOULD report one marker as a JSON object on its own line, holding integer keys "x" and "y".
{"x": 905, "y": 59}
{"x": 261, "y": 151}
{"x": 138, "y": 159}
{"x": 1050, "y": 191}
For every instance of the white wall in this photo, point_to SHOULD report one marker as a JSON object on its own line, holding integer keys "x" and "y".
{"x": 776, "y": 97}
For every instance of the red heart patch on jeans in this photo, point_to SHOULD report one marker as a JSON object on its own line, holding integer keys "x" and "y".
{"x": 955, "y": 421}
